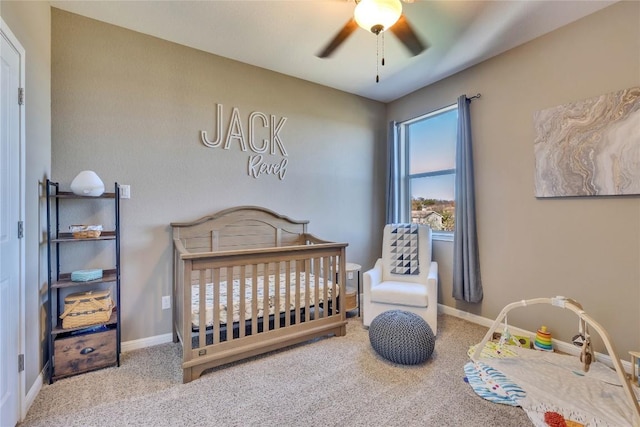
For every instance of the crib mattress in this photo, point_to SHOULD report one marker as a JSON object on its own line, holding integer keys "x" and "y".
{"x": 297, "y": 285}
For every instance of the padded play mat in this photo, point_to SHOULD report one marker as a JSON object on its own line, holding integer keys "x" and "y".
{"x": 554, "y": 389}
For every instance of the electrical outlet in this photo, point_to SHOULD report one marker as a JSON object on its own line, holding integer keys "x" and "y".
{"x": 166, "y": 302}
{"x": 125, "y": 191}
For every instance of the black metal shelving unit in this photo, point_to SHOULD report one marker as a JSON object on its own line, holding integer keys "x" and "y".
{"x": 89, "y": 357}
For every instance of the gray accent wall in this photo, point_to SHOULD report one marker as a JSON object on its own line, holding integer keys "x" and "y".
{"x": 587, "y": 248}
{"x": 131, "y": 107}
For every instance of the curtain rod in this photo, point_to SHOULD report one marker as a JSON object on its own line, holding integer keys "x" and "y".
{"x": 415, "y": 119}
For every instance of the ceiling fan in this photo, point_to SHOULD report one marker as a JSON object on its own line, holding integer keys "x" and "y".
{"x": 378, "y": 16}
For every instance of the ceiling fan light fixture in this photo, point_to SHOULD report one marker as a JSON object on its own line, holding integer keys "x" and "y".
{"x": 377, "y": 15}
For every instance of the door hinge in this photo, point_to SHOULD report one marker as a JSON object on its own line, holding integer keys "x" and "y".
{"x": 20, "y": 362}
{"x": 20, "y": 96}
{"x": 20, "y": 229}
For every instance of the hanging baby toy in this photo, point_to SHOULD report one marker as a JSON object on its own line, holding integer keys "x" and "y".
{"x": 586, "y": 355}
{"x": 583, "y": 340}
{"x": 506, "y": 337}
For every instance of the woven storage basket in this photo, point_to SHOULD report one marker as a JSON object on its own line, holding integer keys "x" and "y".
{"x": 86, "y": 308}
{"x": 85, "y": 231}
{"x": 350, "y": 301}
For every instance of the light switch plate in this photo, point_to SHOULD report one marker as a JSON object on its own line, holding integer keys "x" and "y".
{"x": 125, "y": 192}
{"x": 166, "y": 302}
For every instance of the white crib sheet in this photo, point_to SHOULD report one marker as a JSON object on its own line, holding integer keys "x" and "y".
{"x": 248, "y": 313}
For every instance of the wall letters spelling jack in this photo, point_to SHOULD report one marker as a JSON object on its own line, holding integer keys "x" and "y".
{"x": 256, "y": 164}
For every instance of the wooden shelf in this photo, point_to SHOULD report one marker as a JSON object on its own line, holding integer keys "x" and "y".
{"x": 68, "y": 237}
{"x": 65, "y": 281}
{"x": 58, "y": 329}
{"x": 72, "y": 195}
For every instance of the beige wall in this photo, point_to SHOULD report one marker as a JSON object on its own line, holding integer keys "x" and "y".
{"x": 584, "y": 248}
{"x": 30, "y": 22}
{"x": 131, "y": 107}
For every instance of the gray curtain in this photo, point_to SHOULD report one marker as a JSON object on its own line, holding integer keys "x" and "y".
{"x": 392, "y": 214}
{"x": 467, "y": 285}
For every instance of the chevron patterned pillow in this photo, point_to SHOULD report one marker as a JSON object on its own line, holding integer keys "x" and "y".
{"x": 404, "y": 249}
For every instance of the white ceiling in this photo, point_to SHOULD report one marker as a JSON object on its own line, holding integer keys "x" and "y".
{"x": 285, "y": 36}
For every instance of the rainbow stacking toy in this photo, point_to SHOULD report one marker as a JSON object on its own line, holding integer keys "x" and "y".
{"x": 543, "y": 340}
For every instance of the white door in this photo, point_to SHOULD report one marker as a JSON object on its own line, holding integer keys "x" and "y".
{"x": 11, "y": 55}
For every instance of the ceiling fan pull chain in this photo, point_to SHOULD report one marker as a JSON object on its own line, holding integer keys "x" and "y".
{"x": 383, "y": 48}
{"x": 377, "y": 57}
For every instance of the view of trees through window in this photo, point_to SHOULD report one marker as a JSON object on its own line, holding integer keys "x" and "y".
{"x": 431, "y": 148}
{"x": 439, "y": 214}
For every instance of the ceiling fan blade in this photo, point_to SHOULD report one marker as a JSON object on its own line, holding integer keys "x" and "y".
{"x": 402, "y": 29}
{"x": 342, "y": 35}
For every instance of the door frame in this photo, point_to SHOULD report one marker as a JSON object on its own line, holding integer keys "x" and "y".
{"x": 8, "y": 35}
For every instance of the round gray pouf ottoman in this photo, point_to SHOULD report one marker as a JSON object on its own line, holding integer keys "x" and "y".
{"x": 401, "y": 337}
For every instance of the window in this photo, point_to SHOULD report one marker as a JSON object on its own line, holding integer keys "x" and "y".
{"x": 428, "y": 147}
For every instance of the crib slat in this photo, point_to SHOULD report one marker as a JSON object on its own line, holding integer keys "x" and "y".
{"x": 316, "y": 286}
{"x": 265, "y": 300}
{"x": 243, "y": 297}
{"x": 296, "y": 290}
{"x": 307, "y": 289}
{"x": 342, "y": 283}
{"x": 216, "y": 305}
{"x": 186, "y": 313}
{"x": 177, "y": 297}
{"x": 287, "y": 294}
{"x": 254, "y": 300}
{"x": 325, "y": 289}
{"x": 276, "y": 292}
{"x": 230, "y": 285}
{"x": 332, "y": 288}
{"x": 202, "y": 317}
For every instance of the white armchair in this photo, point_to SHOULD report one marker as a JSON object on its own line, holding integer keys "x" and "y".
{"x": 416, "y": 291}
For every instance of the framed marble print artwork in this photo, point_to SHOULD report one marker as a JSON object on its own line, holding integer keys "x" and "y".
{"x": 589, "y": 147}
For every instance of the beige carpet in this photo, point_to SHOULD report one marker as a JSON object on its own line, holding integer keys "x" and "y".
{"x": 327, "y": 382}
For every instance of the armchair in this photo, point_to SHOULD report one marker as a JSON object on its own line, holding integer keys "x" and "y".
{"x": 415, "y": 289}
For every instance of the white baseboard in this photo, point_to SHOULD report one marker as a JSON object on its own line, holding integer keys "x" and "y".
{"x": 562, "y": 346}
{"x": 31, "y": 395}
{"x": 146, "y": 342}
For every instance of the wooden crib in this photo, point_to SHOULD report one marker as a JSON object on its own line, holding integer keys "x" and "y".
{"x": 275, "y": 284}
